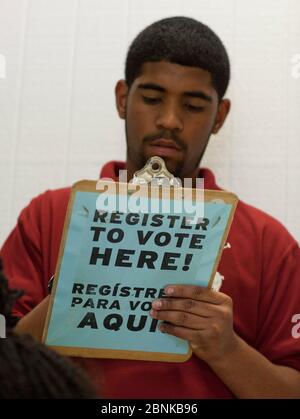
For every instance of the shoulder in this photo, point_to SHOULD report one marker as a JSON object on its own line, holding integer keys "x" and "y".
{"x": 45, "y": 212}
{"x": 261, "y": 229}
{"x": 47, "y": 201}
{"x": 52, "y": 196}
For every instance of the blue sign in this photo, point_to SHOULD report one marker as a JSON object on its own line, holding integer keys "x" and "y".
{"x": 113, "y": 266}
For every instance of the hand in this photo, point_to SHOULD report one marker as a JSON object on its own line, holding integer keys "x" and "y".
{"x": 199, "y": 315}
{"x": 33, "y": 322}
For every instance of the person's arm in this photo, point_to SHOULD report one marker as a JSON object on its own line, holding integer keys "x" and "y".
{"x": 248, "y": 374}
{"x": 204, "y": 318}
{"x": 33, "y": 322}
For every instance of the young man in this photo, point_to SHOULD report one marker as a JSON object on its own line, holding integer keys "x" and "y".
{"x": 172, "y": 100}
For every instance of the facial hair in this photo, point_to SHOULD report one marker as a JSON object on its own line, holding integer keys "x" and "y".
{"x": 139, "y": 159}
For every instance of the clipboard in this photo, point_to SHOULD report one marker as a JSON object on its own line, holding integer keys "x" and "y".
{"x": 115, "y": 260}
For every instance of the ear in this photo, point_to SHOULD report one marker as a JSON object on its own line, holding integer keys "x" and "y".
{"x": 121, "y": 91}
{"x": 223, "y": 111}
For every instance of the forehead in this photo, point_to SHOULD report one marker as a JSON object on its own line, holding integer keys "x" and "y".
{"x": 176, "y": 78}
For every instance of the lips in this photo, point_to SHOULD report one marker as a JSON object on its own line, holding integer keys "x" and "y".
{"x": 164, "y": 148}
{"x": 162, "y": 142}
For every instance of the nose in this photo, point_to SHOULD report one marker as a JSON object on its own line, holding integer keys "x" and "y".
{"x": 169, "y": 117}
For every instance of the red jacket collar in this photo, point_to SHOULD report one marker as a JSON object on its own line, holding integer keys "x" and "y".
{"x": 111, "y": 170}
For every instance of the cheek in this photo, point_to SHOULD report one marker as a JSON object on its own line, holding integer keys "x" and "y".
{"x": 199, "y": 134}
{"x": 203, "y": 130}
{"x": 139, "y": 122}
{"x": 133, "y": 127}
{"x": 197, "y": 137}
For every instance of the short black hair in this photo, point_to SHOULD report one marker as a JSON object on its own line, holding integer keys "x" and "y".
{"x": 184, "y": 41}
{"x": 8, "y": 297}
{"x": 30, "y": 370}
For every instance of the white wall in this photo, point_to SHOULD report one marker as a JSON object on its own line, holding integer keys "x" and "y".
{"x": 57, "y": 118}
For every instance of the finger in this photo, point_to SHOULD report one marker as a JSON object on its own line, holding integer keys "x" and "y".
{"x": 181, "y": 318}
{"x": 196, "y": 292}
{"x": 180, "y": 332}
{"x": 187, "y": 305}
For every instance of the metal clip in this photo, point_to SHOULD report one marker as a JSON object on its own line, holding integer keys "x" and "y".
{"x": 156, "y": 173}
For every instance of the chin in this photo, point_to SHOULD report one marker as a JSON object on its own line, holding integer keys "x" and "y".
{"x": 174, "y": 166}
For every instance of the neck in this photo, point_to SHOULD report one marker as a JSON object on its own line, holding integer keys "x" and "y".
{"x": 131, "y": 169}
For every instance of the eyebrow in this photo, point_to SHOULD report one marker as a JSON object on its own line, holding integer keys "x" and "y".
{"x": 196, "y": 93}
{"x": 151, "y": 86}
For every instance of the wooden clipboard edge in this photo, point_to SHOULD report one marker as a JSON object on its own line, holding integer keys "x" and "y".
{"x": 90, "y": 186}
{"x": 233, "y": 201}
{"x": 59, "y": 261}
{"x": 122, "y": 354}
{"x": 209, "y": 194}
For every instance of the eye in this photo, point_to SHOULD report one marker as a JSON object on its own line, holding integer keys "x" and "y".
{"x": 151, "y": 100}
{"x": 193, "y": 108}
